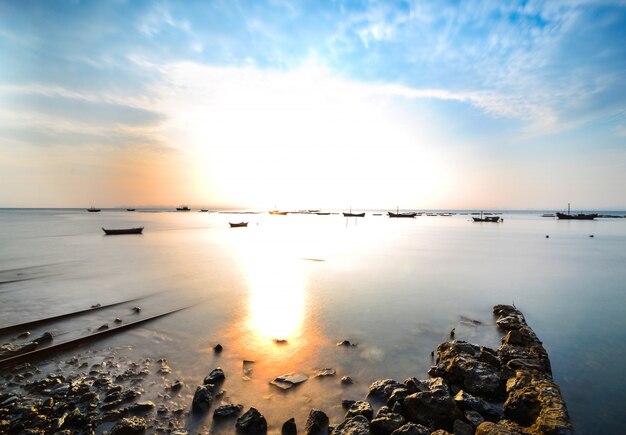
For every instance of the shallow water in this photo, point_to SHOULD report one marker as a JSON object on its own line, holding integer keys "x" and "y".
{"x": 394, "y": 286}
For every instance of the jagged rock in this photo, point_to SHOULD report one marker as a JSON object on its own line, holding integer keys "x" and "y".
{"x": 415, "y": 385}
{"x": 462, "y": 428}
{"x": 226, "y": 411}
{"x": 202, "y": 398}
{"x": 383, "y": 389}
{"x": 346, "y": 343}
{"x": 357, "y": 425}
{"x": 440, "y": 432}
{"x": 289, "y": 427}
{"x": 325, "y": 372}
{"x": 128, "y": 426}
{"x": 141, "y": 407}
{"x": 360, "y": 408}
{"x": 251, "y": 422}
{"x": 386, "y": 422}
{"x": 466, "y": 401}
{"x": 489, "y": 428}
{"x": 432, "y": 408}
{"x": 347, "y": 380}
{"x": 289, "y": 380}
{"x": 398, "y": 395}
{"x": 177, "y": 385}
{"x": 316, "y": 423}
{"x": 347, "y": 403}
{"x": 473, "y": 417}
{"x": 218, "y": 348}
{"x": 412, "y": 429}
{"x": 216, "y": 376}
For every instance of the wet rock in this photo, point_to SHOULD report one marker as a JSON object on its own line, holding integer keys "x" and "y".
{"x": 202, "y": 399}
{"x": 289, "y": 427}
{"x": 218, "y": 348}
{"x": 103, "y": 327}
{"x": 129, "y": 426}
{"x": 466, "y": 401}
{"x": 489, "y": 428}
{"x": 347, "y": 380}
{"x": 415, "y": 385}
{"x": 177, "y": 385}
{"x": 316, "y": 423}
{"x": 226, "y": 411}
{"x": 165, "y": 369}
{"x": 347, "y": 403}
{"x": 141, "y": 407}
{"x": 386, "y": 422}
{"x": 346, "y": 343}
{"x": 325, "y": 372}
{"x": 117, "y": 320}
{"x": 357, "y": 425}
{"x": 383, "y": 389}
{"x": 24, "y": 334}
{"x": 136, "y": 309}
{"x": 289, "y": 380}
{"x": 360, "y": 408}
{"x": 432, "y": 408}
{"x": 462, "y": 428}
{"x": 398, "y": 395}
{"x": 216, "y": 376}
{"x": 252, "y": 422}
{"x": 473, "y": 417}
{"x": 412, "y": 429}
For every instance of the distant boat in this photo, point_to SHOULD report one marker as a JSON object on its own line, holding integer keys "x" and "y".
{"x": 277, "y": 212}
{"x": 547, "y": 215}
{"x": 579, "y": 216}
{"x": 183, "y": 208}
{"x": 204, "y": 210}
{"x": 92, "y": 209}
{"x": 238, "y": 224}
{"x": 350, "y": 214}
{"x": 130, "y": 209}
{"x": 119, "y": 231}
{"x": 494, "y": 219}
{"x": 322, "y": 213}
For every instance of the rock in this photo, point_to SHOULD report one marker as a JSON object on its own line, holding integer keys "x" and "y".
{"x": 280, "y": 341}
{"x": 513, "y": 337}
{"x": 24, "y": 334}
{"x": 216, "y": 376}
{"x": 432, "y": 408}
{"x": 117, "y": 320}
{"x": 141, "y": 407}
{"x": 289, "y": 427}
{"x": 347, "y": 380}
{"x": 398, "y": 395}
{"x": 103, "y": 327}
{"x": 360, "y": 408}
{"x": 177, "y": 385}
{"x": 466, "y": 401}
{"x": 46, "y": 337}
{"x": 289, "y": 380}
{"x": 489, "y": 428}
{"x": 226, "y": 411}
{"x": 347, "y": 403}
{"x": 346, "y": 343}
{"x": 383, "y": 389}
{"x": 474, "y": 418}
{"x": 128, "y": 426}
{"x": 325, "y": 372}
{"x": 440, "y": 432}
{"x": 136, "y": 309}
{"x": 252, "y": 422}
{"x": 411, "y": 429}
{"x": 415, "y": 385}
{"x": 316, "y": 423}
{"x": 202, "y": 399}
{"x": 218, "y": 348}
{"x": 462, "y": 428}
{"x": 357, "y": 425}
{"x": 386, "y": 423}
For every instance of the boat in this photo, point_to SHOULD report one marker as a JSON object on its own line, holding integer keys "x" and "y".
{"x": 119, "y": 231}
{"x": 277, "y": 212}
{"x": 183, "y": 208}
{"x": 579, "y": 216}
{"x": 350, "y": 214}
{"x": 322, "y": 213}
{"x": 547, "y": 215}
{"x": 238, "y": 224}
{"x": 204, "y": 210}
{"x": 92, "y": 209}
{"x": 130, "y": 209}
{"x": 494, "y": 219}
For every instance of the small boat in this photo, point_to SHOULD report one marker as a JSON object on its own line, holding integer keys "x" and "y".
{"x": 397, "y": 214}
{"x": 494, "y": 219}
{"x": 547, "y": 215}
{"x": 92, "y": 209}
{"x": 119, "y": 231}
{"x": 354, "y": 214}
{"x": 183, "y": 208}
{"x": 279, "y": 213}
{"x": 322, "y": 213}
{"x": 130, "y": 209}
{"x": 204, "y": 210}
{"x": 579, "y": 216}
{"x": 238, "y": 224}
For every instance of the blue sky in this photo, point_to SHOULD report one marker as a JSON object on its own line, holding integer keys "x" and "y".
{"x": 427, "y": 104}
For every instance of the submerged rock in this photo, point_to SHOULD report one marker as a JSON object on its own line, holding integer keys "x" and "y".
{"x": 325, "y": 372}
{"x": 202, "y": 399}
{"x": 216, "y": 376}
{"x": 289, "y": 380}
{"x": 289, "y": 427}
{"x": 252, "y": 422}
{"x": 226, "y": 411}
{"x": 347, "y": 380}
{"x": 218, "y": 348}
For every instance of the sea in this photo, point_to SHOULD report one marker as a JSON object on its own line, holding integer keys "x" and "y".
{"x": 283, "y": 291}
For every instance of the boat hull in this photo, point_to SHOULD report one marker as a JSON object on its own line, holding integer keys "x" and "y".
{"x": 238, "y": 224}
{"x": 494, "y": 219}
{"x": 580, "y": 216}
{"x": 354, "y": 214}
{"x": 120, "y": 231}
{"x": 401, "y": 215}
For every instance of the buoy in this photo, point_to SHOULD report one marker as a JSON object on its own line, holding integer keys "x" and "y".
{"x": 547, "y": 237}
{"x": 591, "y": 235}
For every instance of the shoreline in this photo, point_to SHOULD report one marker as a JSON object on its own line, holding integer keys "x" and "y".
{"x": 472, "y": 389}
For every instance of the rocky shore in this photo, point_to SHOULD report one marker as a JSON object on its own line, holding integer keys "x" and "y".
{"x": 472, "y": 390}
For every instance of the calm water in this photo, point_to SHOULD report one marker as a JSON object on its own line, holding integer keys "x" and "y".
{"x": 395, "y": 286}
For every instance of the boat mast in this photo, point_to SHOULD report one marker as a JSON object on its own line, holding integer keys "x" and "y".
{"x": 568, "y": 208}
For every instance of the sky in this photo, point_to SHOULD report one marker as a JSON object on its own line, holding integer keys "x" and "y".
{"x": 313, "y": 104}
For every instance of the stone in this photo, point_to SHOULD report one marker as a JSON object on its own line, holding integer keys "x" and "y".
{"x": 325, "y": 372}
{"x": 216, "y": 376}
{"x": 346, "y": 343}
{"x": 316, "y": 423}
{"x": 360, "y": 408}
{"x": 251, "y": 422}
{"x": 218, "y": 348}
{"x": 202, "y": 399}
{"x": 226, "y": 411}
{"x": 347, "y": 380}
{"x": 412, "y": 429}
{"x": 462, "y": 428}
{"x": 141, "y": 407}
{"x": 466, "y": 401}
{"x": 432, "y": 408}
{"x": 347, "y": 403}
{"x": 386, "y": 423}
{"x": 289, "y": 427}
{"x": 398, "y": 395}
{"x": 177, "y": 385}
{"x": 489, "y": 428}
{"x": 103, "y": 327}
{"x": 473, "y": 417}
{"x": 129, "y": 426}
{"x": 357, "y": 425}
{"x": 289, "y": 380}
{"x": 383, "y": 389}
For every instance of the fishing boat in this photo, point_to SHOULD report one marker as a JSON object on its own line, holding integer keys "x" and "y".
{"x": 92, "y": 209}
{"x": 322, "y": 213}
{"x": 183, "y": 208}
{"x": 494, "y": 219}
{"x": 120, "y": 231}
{"x": 397, "y": 214}
{"x": 579, "y": 216}
{"x": 130, "y": 209}
{"x": 350, "y": 214}
{"x": 204, "y": 210}
{"x": 238, "y": 224}
{"x": 279, "y": 213}
{"x": 547, "y": 215}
